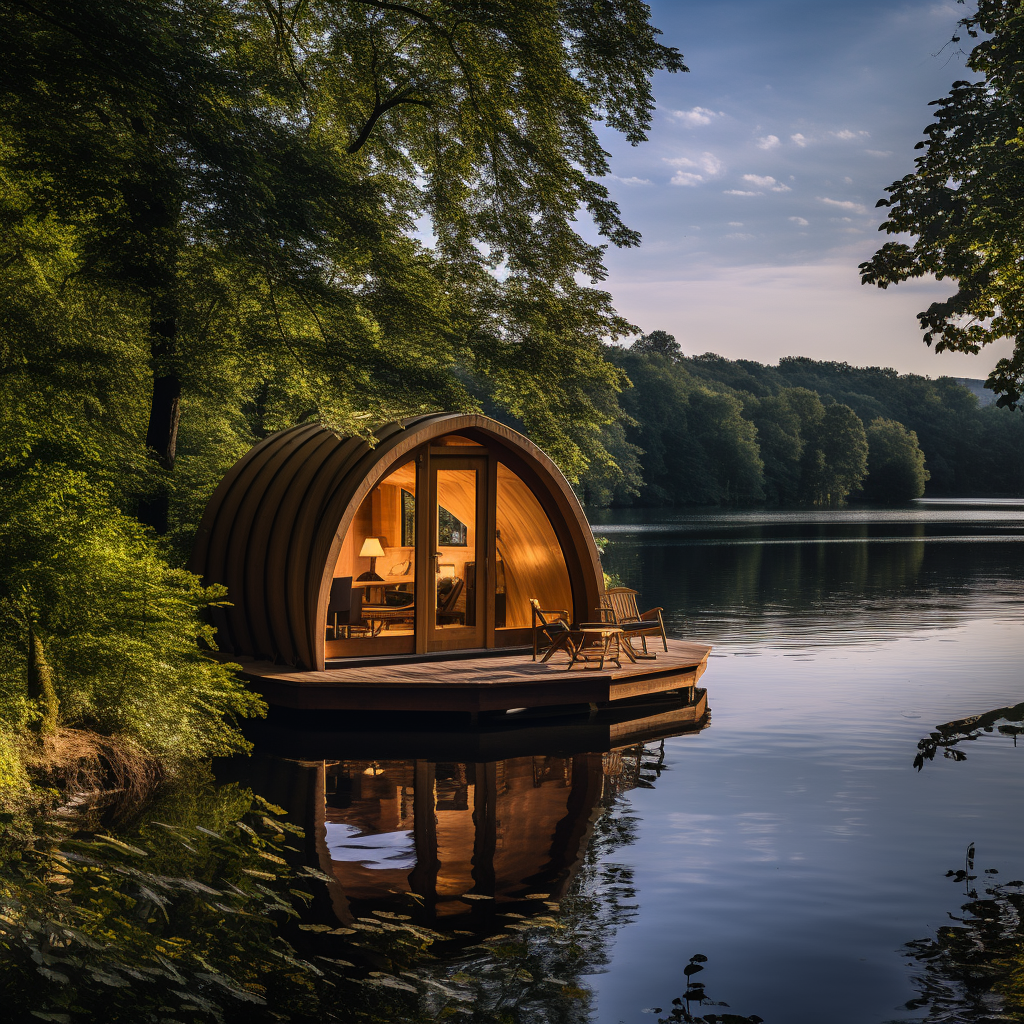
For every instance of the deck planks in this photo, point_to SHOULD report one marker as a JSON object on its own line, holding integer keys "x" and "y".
{"x": 475, "y": 684}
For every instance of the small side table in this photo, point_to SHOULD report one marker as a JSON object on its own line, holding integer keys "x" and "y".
{"x": 607, "y": 636}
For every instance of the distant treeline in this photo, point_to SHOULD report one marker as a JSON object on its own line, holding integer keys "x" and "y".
{"x": 709, "y": 430}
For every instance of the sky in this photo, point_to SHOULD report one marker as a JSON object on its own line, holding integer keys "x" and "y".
{"x": 756, "y": 191}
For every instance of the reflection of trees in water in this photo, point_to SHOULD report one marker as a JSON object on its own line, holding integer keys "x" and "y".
{"x": 753, "y": 575}
{"x": 972, "y": 971}
{"x": 1008, "y": 721}
{"x": 857, "y": 579}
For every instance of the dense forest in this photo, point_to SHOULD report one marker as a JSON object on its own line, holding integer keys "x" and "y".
{"x": 705, "y": 430}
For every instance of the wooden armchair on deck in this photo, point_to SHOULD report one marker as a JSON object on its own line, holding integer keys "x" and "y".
{"x": 620, "y": 609}
{"x": 551, "y": 631}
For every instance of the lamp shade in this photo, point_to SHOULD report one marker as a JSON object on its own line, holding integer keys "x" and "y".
{"x": 371, "y": 548}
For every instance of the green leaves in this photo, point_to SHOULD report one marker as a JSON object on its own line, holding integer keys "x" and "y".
{"x": 696, "y": 445}
{"x": 170, "y": 923}
{"x": 354, "y": 204}
{"x": 121, "y": 628}
{"x": 963, "y": 203}
{"x": 896, "y": 465}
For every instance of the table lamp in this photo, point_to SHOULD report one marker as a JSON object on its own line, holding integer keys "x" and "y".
{"x": 372, "y": 550}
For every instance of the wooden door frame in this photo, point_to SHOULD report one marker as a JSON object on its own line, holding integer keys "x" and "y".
{"x": 429, "y": 461}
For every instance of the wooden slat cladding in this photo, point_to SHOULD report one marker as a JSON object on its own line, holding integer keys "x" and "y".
{"x": 273, "y": 530}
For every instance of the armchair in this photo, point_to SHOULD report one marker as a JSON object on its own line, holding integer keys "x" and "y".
{"x": 620, "y": 609}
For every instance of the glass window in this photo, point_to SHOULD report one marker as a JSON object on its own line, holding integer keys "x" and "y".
{"x": 451, "y": 532}
{"x": 408, "y": 519}
{"x": 377, "y": 612}
{"x": 455, "y": 600}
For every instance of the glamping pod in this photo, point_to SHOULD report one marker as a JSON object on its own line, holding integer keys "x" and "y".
{"x": 433, "y": 539}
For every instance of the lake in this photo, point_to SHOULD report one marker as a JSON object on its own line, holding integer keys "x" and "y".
{"x": 790, "y": 838}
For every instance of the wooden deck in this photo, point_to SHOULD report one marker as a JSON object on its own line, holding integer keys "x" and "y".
{"x": 382, "y": 736}
{"x": 475, "y": 684}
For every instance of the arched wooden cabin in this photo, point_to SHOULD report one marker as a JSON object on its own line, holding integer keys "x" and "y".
{"x": 465, "y": 521}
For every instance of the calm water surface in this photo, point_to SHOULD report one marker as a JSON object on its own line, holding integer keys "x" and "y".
{"x": 791, "y": 840}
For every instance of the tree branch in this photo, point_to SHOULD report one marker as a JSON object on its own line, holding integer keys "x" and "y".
{"x": 379, "y": 109}
{"x": 383, "y": 5}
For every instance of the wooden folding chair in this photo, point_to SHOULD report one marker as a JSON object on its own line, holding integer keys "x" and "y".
{"x": 550, "y": 634}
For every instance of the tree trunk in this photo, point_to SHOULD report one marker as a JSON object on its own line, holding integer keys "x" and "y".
{"x": 164, "y": 412}
{"x": 165, "y": 405}
{"x": 40, "y": 684}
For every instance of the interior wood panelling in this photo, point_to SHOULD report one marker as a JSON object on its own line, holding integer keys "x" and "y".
{"x": 530, "y": 553}
{"x": 274, "y": 529}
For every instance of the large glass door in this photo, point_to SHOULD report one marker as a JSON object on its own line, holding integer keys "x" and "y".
{"x": 457, "y": 566}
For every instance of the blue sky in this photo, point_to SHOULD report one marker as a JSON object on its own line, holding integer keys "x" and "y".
{"x": 756, "y": 192}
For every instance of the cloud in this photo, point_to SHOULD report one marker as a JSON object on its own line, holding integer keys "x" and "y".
{"x": 740, "y": 236}
{"x": 800, "y": 140}
{"x": 843, "y": 204}
{"x": 739, "y": 192}
{"x": 630, "y": 181}
{"x": 800, "y": 221}
{"x": 766, "y": 182}
{"x": 696, "y": 117}
{"x": 768, "y": 142}
{"x": 847, "y": 134}
{"x": 707, "y": 165}
{"x": 735, "y": 223}
{"x": 878, "y": 152}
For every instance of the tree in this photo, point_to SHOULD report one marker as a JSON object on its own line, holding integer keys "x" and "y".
{"x": 781, "y": 445}
{"x": 658, "y": 343}
{"x": 896, "y": 470}
{"x": 835, "y": 457}
{"x": 695, "y": 445}
{"x": 731, "y": 459}
{"x": 963, "y": 203}
{"x": 618, "y": 479}
{"x": 95, "y": 626}
{"x": 968, "y": 449}
{"x": 252, "y": 176}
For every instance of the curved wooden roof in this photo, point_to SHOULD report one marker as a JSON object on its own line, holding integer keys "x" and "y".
{"x": 273, "y": 529}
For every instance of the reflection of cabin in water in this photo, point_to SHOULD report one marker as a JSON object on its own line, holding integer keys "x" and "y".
{"x": 432, "y": 541}
{"x": 456, "y": 842}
